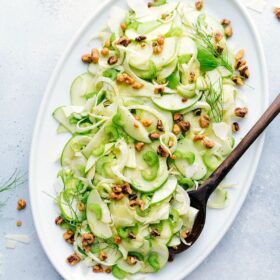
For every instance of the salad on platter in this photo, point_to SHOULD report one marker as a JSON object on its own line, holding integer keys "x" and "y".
{"x": 151, "y": 118}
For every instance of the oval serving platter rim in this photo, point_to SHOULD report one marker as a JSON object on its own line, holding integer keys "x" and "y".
{"x": 43, "y": 107}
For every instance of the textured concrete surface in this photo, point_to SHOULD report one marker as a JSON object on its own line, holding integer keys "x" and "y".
{"x": 33, "y": 34}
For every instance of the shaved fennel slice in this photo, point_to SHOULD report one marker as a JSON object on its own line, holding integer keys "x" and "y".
{"x": 219, "y": 199}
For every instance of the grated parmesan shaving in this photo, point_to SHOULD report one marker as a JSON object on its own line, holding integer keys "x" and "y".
{"x": 23, "y": 238}
{"x": 256, "y": 5}
{"x": 10, "y": 244}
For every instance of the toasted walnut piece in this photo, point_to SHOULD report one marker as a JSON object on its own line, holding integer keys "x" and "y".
{"x": 199, "y": 4}
{"x": 86, "y": 58}
{"x": 277, "y": 12}
{"x": 102, "y": 256}
{"x": 131, "y": 260}
{"x": 157, "y": 49}
{"x": 240, "y": 63}
{"x": 161, "y": 151}
{"x": 228, "y": 31}
{"x": 132, "y": 196}
{"x": 137, "y": 85}
{"x": 131, "y": 235}
{"x": 108, "y": 270}
{"x": 170, "y": 143}
{"x": 69, "y": 236}
{"x": 59, "y": 220}
{"x": 225, "y": 22}
{"x": 117, "y": 239}
{"x": 115, "y": 196}
{"x": 176, "y": 129}
{"x": 95, "y": 55}
{"x": 19, "y": 223}
{"x": 97, "y": 268}
{"x": 160, "y": 40}
{"x": 81, "y": 206}
{"x": 238, "y": 80}
{"x": 244, "y": 71}
{"x": 87, "y": 239}
{"x": 21, "y": 204}
{"x": 112, "y": 60}
{"x": 160, "y": 125}
{"x": 105, "y": 51}
{"x": 204, "y": 121}
{"x": 140, "y": 38}
{"x": 133, "y": 202}
{"x": 185, "y": 234}
{"x": 117, "y": 189}
{"x": 159, "y": 89}
{"x": 218, "y": 36}
{"x": 147, "y": 123}
{"x": 241, "y": 112}
{"x": 177, "y": 117}
{"x": 120, "y": 78}
{"x": 155, "y": 233}
{"x": 173, "y": 157}
{"x": 128, "y": 80}
{"x": 126, "y": 188}
{"x": 192, "y": 77}
{"x": 107, "y": 44}
{"x": 136, "y": 124}
{"x": 124, "y": 41}
{"x": 208, "y": 143}
{"x": 137, "y": 118}
{"x": 240, "y": 54}
{"x": 198, "y": 137}
{"x": 73, "y": 259}
{"x": 149, "y": 4}
{"x": 164, "y": 16}
{"x": 141, "y": 204}
{"x": 123, "y": 26}
{"x": 139, "y": 146}
{"x": 184, "y": 99}
{"x": 154, "y": 136}
{"x": 235, "y": 127}
{"x": 184, "y": 126}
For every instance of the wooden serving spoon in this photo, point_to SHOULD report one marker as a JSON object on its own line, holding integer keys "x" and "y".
{"x": 200, "y": 196}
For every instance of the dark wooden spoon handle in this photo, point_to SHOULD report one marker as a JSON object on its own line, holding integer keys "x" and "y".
{"x": 219, "y": 174}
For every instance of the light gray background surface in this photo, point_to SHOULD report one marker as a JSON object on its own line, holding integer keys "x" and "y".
{"x": 33, "y": 35}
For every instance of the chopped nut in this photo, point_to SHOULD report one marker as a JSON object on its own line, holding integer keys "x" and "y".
{"x": 160, "y": 40}
{"x": 184, "y": 99}
{"x": 149, "y": 4}
{"x": 218, "y": 36}
{"x": 228, "y": 31}
{"x": 164, "y": 16}
{"x": 87, "y": 239}
{"x": 131, "y": 235}
{"x": 198, "y": 137}
{"x": 241, "y": 112}
{"x": 139, "y": 146}
{"x": 244, "y": 71}
{"x": 209, "y": 144}
{"x": 97, "y": 268}
{"x": 141, "y": 204}
{"x": 159, "y": 89}
{"x": 21, "y": 204}
{"x": 112, "y": 60}
{"x": 102, "y": 256}
{"x": 184, "y": 125}
{"x": 176, "y": 129}
{"x": 160, "y": 126}
{"x": 125, "y": 78}
{"x": 131, "y": 260}
{"x": 133, "y": 202}
{"x": 199, "y": 4}
{"x": 204, "y": 121}
{"x": 240, "y": 63}
{"x": 69, "y": 236}
{"x": 140, "y": 38}
{"x": 137, "y": 118}
{"x": 73, "y": 259}
{"x": 192, "y": 77}
{"x": 225, "y": 22}
{"x": 177, "y": 117}
{"x": 147, "y": 123}
{"x": 157, "y": 49}
{"x": 155, "y": 233}
{"x": 132, "y": 196}
{"x": 154, "y": 136}
{"x": 59, "y": 220}
{"x": 86, "y": 58}
{"x": 136, "y": 124}
{"x": 117, "y": 189}
{"x": 105, "y": 51}
{"x": 107, "y": 44}
{"x": 108, "y": 270}
{"x": 116, "y": 196}
{"x": 95, "y": 55}
{"x": 81, "y": 206}
{"x": 161, "y": 151}
{"x": 238, "y": 80}
{"x": 19, "y": 223}
{"x": 170, "y": 143}
{"x": 235, "y": 127}
{"x": 185, "y": 234}
{"x": 117, "y": 240}
{"x": 240, "y": 54}
{"x": 123, "y": 26}
{"x": 124, "y": 41}
{"x": 126, "y": 188}
{"x": 277, "y": 12}
{"x": 137, "y": 85}
{"x": 173, "y": 157}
